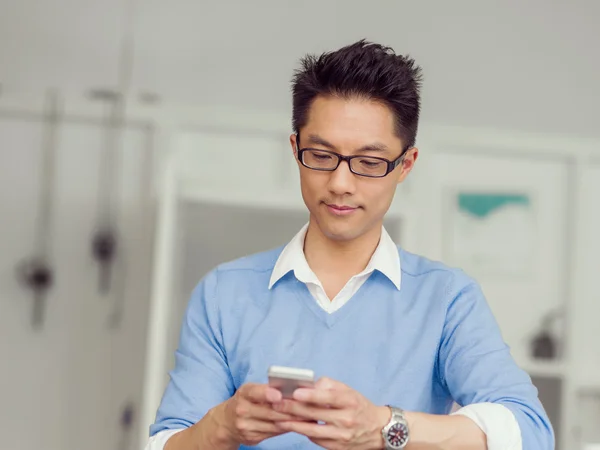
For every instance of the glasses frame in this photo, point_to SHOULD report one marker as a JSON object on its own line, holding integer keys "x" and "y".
{"x": 391, "y": 165}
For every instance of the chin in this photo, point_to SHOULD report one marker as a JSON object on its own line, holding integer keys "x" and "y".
{"x": 339, "y": 237}
{"x": 340, "y": 232}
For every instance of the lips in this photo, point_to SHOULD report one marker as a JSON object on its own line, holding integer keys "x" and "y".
{"x": 340, "y": 210}
{"x": 341, "y": 207}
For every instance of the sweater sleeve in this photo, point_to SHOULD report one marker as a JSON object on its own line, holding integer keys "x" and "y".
{"x": 476, "y": 366}
{"x": 201, "y": 378}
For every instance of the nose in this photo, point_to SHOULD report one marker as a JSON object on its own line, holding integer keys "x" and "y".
{"x": 342, "y": 181}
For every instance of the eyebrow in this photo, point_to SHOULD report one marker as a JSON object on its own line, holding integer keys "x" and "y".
{"x": 315, "y": 139}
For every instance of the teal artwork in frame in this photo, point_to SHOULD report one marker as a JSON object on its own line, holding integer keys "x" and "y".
{"x": 492, "y": 233}
{"x": 482, "y": 205}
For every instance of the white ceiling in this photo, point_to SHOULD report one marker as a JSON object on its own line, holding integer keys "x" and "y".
{"x": 532, "y": 65}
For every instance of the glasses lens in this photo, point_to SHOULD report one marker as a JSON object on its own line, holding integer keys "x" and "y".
{"x": 371, "y": 167}
{"x": 321, "y": 160}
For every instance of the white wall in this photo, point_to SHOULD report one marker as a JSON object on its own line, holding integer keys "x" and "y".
{"x": 514, "y": 64}
{"x": 587, "y": 266}
{"x": 64, "y": 386}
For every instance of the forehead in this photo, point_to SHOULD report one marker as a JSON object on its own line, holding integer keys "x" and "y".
{"x": 352, "y": 123}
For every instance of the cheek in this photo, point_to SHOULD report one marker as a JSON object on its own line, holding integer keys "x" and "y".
{"x": 309, "y": 185}
{"x": 381, "y": 195}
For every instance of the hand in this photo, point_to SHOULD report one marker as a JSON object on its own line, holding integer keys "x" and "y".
{"x": 248, "y": 417}
{"x": 351, "y": 421}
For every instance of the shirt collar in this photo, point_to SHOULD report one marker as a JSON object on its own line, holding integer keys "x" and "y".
{"x": 385, "y": 259}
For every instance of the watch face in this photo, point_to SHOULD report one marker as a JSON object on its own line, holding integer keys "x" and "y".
{"x": 397, "y": 435}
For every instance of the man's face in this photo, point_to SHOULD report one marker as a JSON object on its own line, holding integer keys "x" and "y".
{"x": 343, "y": 205}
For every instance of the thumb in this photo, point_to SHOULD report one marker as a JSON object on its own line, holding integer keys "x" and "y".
{"x": 260, "y": 393}
{"x": 328, "y": 384}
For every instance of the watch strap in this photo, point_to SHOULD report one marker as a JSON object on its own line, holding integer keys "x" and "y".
{"x": 397, "y": 417}
{"x": 397, "y": 414}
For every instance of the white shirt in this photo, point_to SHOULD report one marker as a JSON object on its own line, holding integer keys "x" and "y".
{"x": 496, "y": 421}
{"x": 385, "y": 259}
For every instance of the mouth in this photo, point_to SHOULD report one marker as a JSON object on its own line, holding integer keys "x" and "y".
{"x": 340, "y": 210}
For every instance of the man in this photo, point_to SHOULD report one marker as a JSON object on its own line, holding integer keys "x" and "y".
{"x": 378, "y": 325}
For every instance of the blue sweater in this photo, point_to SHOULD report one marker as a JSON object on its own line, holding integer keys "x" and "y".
{"x": 421, "y": 347}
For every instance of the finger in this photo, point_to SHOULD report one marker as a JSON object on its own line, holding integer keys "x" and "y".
{"x": 330, "y": 398}
{"x": 314, "y": 431}
{"x": 309, "y": 411}
{"x": 262, "y": 436}
{"x": 266, "y": 412}
{"x": 248, "y": 426}
{"x": 257, "y": 438}
{"x": 260, "y": 393}
{"x": 329, "y": 383}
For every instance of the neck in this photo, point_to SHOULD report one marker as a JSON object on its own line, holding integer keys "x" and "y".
{"x": 325, "y": 255}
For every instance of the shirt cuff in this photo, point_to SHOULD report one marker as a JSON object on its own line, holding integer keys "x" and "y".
{"x": 497, "y": 422}
{"x": 159, "y": 440}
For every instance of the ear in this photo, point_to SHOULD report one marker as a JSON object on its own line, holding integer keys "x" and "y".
{"x": 293, "y": 144}
{"x": 408, "y": 163}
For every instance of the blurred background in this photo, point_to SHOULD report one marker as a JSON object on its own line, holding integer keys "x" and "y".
{"x": 144, "y": 142}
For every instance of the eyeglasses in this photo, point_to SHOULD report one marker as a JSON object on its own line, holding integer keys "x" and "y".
{"x": 365, "y": 166}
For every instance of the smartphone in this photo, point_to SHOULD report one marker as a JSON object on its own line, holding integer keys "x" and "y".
{"x": 288, "y": 379}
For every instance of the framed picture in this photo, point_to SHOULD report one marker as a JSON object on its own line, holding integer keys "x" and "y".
{"x": 491, "y": 233}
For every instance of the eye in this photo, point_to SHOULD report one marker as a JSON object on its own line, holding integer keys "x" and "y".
{"x": 370, "y": 163}
{"x": 321, "y": 156}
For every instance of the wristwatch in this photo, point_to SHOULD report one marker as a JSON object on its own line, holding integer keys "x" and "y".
{"x": 395, "y": 433}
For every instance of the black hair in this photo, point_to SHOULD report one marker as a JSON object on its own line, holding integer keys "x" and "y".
{"x": 364, "y": 70}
